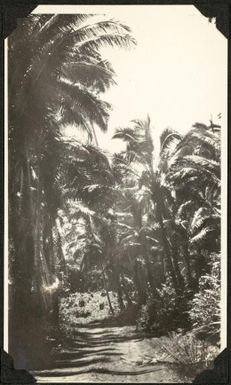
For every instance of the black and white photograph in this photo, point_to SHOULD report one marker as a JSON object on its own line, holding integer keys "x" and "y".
{"x": 115, "y": 242}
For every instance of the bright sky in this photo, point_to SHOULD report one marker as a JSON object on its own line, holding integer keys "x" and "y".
{"x": 177, "y": 73}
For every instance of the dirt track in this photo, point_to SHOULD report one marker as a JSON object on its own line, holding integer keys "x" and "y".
{"x": 103, "y": 354}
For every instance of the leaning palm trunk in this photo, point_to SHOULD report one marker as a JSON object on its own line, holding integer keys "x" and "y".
{"x": 41, "y": 270}
{"x": 106, "y": 288}
{"x": 44, "y": 265}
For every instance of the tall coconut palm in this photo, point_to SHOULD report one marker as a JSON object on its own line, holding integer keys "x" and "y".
{"x": 140, "y": 150}
{"x": 60, "y": 71}
{"x": 194, "y": 175}
{"x": 56, "y": 76}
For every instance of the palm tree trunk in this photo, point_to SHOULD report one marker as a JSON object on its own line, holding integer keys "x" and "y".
{"x": 159, "y": 204}
{"x": 187, "y": 262}
{"x": 61, "y": 258}
{"x": 106, "y": 289}
{"x": 21, "y": 266}
{"x": 21, "y": 191}
{"x": 119, "y": 287}
{"x": 175, "y": 254}
{"x": 140, "y": 289}
{"x": 48, "y": 242}
{"x": 120, "y": 296}
{"x": 148, "y": 270}
{"x": 37, "y": 236}
{"x": 128, "y": 299}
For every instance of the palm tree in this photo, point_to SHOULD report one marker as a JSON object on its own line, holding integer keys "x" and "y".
{"x": 87, "y": 245}
{"x": 195, "y": 177}
{"x": 62, "y": 51}
{"x": 57, "y": 75}
{"x": 167, "y": 178}
{"x": 140, "y": 150}
{"x": 90, "y": 181}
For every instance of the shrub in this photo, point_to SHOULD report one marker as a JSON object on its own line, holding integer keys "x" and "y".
{"x": 168, "y": 313}
{"x": 187, "y": 352}
{"x": 205, "y": 306}
{"x": 81, "y": 308}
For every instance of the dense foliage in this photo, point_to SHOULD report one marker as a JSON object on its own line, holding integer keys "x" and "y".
{"x": 145, "y": 223}
{"x": 141, "y": 226}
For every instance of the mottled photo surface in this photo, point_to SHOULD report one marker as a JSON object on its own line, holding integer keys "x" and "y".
{"x": 116, "y": 152}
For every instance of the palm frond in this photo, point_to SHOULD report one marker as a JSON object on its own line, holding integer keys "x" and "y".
{"x": 78, "y": 208}
{"x": 91, "y": 30}
{"x": 198, "y": 213}
{"x": 183, "y": 207}
{"x": 200, "y": 126}
{"x": 119, "y": 40}
{"x": 201, "y": 236}
{"x": 126, "y": 134}
{"x": 187, "y": 170}
{"x": 89, "y": 74}
{"x": 204, "y": 162}
{"x": 166, "y": 137}
{"x": 83, "y": 102}
{"x": 200, "y": 136}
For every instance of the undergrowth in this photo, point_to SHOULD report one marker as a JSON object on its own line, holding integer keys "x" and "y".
{"x": 187, "y": 353}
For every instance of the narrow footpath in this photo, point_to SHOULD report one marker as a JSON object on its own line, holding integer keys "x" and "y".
{"x": 109, "y": 354}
